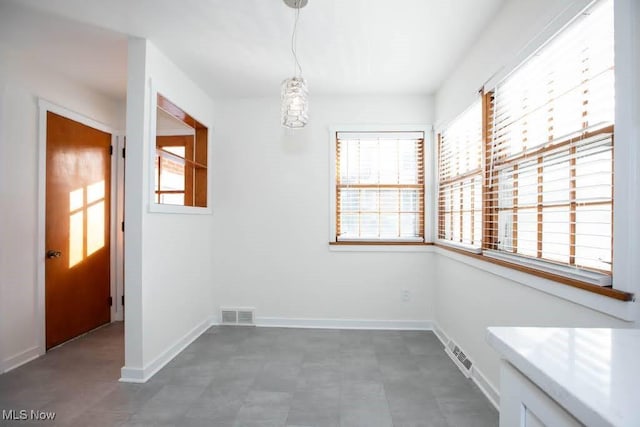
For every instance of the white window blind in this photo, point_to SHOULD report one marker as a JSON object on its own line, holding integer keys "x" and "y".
{"x": 380, "y": 186}
{"x": 551, "y": 150}
{"x": 460, "y": 179}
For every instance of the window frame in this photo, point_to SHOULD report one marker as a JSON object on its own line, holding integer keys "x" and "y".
{"x": 490, "y": 240}
{"x": 382, "y": 245}
{"x": 153, "y": 206}
{"x": 616, "y": 298}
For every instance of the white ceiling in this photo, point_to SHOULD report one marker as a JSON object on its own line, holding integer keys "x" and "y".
{"x": 242, "y": 47}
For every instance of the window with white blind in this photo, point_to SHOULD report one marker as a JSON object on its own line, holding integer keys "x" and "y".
{"x": 379, "y": 186}
{"x": 550, "y": 152}
{"x": 460, "y": 179}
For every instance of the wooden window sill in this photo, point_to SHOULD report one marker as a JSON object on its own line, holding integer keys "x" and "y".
{"x": 379, "y": 243}
{"x": 600, "y": 290}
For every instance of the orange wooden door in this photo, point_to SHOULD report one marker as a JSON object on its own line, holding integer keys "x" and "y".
{"x": 77, "y": 263}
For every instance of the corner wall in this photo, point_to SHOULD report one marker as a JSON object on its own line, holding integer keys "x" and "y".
{"x": 272, "y": 210}
{"x": 168, "y": 257}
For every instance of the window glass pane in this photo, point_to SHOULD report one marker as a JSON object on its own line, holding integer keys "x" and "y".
{"x": 349, "y": 225}
{"x": 349, "y": 162}
{"x": 389, "y": 225}
{"x": 505, "y": 188}
{"x": 457, "y": 229}
{"x": 593, "y": 237}
{"x": 551, "y": 148}
{"x": 171, "y": 174}
{"x": 369, "y": 225}
{"x": 555, "y": 234}
{"x": 369, "y": 172}
{"x": 527, "y": 243}
{"x": 527, "y": 184}
{"x": 477, "y": 211}
{"x": 477, "y": 227}
{"x": 349, "y": 200}
{"x": 172, "y": 198}
{"x": 556, "y": 179}
{"x": 409, "y": 225}
{"x": 459, "y": 166}
{"x": 379, "y": 177}
{"x": 505, "y": 231}
{"x": 448, "y": 232}
{"x": 567, "y": 111}
{"x": 466, "y": 228}
{"x": 477, "y": 194}
{"x": 594, "y": 173}
{"x": 409, "y": 201}
{"x": 388, "y": 159}
{"x": 466, "y": 195}
{"x": 602, "y": 109}
{"x": 409, "y": 168}
{"x": 369, "y": 200}
{"x": 389, "y": 200}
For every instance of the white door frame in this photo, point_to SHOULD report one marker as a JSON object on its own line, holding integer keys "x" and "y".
{"x": 116, "y": 215}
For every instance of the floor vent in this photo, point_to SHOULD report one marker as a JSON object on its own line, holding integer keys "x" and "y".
{"x": 459, "y": 357}
{"x": 236, "y": 316}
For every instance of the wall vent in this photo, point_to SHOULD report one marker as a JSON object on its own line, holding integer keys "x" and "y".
{"x": 236, "y": 315}
{"x": 229, "y": 316}
{"x": 459, "y": 357}
{"x": 245, "y": 317}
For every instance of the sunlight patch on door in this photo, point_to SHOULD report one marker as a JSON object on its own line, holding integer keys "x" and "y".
{"x": 76, "y": 199}
{"x": 76, "y": 238}
{"x": 95, "y": 227}
{"x": 86, "y": 221}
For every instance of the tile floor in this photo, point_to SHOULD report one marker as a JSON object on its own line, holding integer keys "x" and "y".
{"x": 242, "y": 376}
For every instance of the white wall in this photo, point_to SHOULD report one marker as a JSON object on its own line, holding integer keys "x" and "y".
{"x": 469, "y": 299}
{"x": 168, "y": 257}
{"x": 22, "y": 82}
{"x": 272, "y": 215}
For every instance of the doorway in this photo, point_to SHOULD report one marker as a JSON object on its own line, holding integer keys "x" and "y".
{"x": 78, "y": 210}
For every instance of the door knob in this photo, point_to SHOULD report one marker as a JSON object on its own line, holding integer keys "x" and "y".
{"x": 53, "y": 254}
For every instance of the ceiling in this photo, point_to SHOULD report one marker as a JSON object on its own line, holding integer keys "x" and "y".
{"x": 242, "y": 47}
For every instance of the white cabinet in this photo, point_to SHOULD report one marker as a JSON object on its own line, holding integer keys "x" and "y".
{"x": 523, "y": 404}
{"x": 558, "y": 377}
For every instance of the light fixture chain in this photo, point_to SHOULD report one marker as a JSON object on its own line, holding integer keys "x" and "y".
{"x": 294, "y": 40}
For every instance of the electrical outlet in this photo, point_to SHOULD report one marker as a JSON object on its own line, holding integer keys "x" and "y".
{"x": 406, "y": 295}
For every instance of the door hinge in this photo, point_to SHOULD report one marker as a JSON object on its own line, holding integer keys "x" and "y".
{"x": 111, "y": 150}
{"x": 110, "y": 301}
{"x": 123, "y": 300}
{"x": 122, "y": 225}
{"x": 124, "y": 150}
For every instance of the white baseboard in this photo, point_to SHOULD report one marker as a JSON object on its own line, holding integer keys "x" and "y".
{"x": 142, "y": 375}
{"x": 489, "y": 390}
{"x": 19, "y": 359}
{"x": 282, "y": 322}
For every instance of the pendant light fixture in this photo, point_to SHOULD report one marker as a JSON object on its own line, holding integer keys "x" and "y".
{"x": 294, "y": 95}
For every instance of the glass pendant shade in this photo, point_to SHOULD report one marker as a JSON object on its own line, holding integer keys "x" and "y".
{"x": 295, "y": 103}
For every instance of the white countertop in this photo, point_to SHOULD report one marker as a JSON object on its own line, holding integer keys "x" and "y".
{"x": 593, "y": 373}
